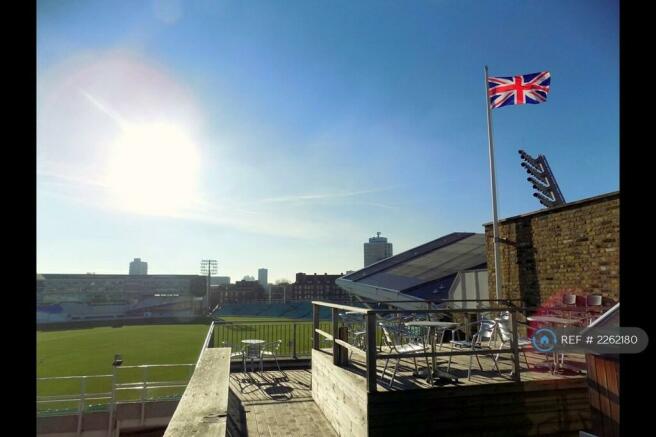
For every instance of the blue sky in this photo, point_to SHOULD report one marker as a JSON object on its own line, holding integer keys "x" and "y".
{"x": 284, "y": 134}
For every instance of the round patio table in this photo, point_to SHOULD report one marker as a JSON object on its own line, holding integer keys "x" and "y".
{"x": 252, "y": 351}
{"x": 554, "y": 321}
{"x": 433, "y": 327}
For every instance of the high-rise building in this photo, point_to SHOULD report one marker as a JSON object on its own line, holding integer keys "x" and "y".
{"x": 138, "y": 267}
{"x": 376, "y": 249}
{"x": 263, "y": 278}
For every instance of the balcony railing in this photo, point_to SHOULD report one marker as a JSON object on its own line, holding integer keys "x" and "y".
{"x": 368, "y": 348}
{"x": 296, "y": 336}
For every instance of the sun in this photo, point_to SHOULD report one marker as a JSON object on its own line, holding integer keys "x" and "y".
{"x": 153, "y": 168}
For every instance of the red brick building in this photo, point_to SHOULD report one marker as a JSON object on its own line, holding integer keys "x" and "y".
{"x": 316, "y": 287}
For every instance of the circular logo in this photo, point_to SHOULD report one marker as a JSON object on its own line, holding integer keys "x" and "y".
{"x": 544, "y": 340}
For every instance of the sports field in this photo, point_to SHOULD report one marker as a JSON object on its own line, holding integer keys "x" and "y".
{"x": 90, "y": 351}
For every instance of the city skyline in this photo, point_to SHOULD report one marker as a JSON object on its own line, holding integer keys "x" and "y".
{"x": 284, "y": 137}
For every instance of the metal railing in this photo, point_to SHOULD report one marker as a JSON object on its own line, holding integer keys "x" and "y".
{"x": 296, "y": 336}
{"x": 116, "y": 392}
{"x": 341, "y": 347}
{"x": 80, "y": 400}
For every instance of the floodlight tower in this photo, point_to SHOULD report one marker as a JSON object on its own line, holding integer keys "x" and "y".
{"x": 209, "y": 267}
{"x": 542, "y": 179}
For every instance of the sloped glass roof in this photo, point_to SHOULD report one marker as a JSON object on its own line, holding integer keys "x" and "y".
{"x": 427, "y": 263}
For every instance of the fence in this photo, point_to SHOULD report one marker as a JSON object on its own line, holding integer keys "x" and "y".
{"x": 296, "y": 336}
{"x": 368, "y": 349}
{"x": 126, "y": 384}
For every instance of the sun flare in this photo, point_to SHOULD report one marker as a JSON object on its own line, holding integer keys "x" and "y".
{"x": 153, "y": 169}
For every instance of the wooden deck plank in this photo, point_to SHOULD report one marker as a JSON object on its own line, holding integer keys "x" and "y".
{"x": 405, "y": 380}
{"x": 277, "y": 404}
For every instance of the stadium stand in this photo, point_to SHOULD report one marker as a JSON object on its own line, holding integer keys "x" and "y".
{"x": 296, "y": 310}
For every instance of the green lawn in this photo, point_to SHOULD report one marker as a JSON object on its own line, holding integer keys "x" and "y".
{"x": 90, "y": 351}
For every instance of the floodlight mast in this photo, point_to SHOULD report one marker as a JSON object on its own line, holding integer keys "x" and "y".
{"x": 542, "y": 180}
{"x": 209, "y": 267}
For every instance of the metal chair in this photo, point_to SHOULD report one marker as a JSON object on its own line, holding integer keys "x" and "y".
{"x": 252, "y": 352}
{"x": 271, "y": 350}
{"x": 482, "y": 339}
{"x": 357, "y": 333}
{"x": 233, "y": 354}
{"x": 505, "y": 331}
{"x": 393, "y": 337}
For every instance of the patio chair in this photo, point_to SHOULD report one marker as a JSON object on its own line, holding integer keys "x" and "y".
{"x": 482, "y": 339}
{"x": 357, "y": 333}
{"x": 238, "y": 353}
{"x": 505, "y": 332}
{"x": 271, "y": 350}
{"x": 401, "y": 341}
{"x": 252, "y": 353}
{"x": 392, "y": 320}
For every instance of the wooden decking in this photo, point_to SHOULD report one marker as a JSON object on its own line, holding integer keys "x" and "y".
{"x": 536, "y": 370}
{"x": 490, "y": 404}
{"x": 274, "y": 403}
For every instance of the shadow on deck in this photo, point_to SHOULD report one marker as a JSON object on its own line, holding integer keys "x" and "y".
{"x": 274, "y": 403}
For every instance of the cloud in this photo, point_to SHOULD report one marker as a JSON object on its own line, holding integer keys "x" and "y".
{"x": 104, "y": 108}
{"x": 295, "y": 198}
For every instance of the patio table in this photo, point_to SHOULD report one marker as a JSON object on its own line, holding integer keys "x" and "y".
{"x": 553, "y": 321}
{"x": 252, "y": 351}
{"x": 433, "y": 327}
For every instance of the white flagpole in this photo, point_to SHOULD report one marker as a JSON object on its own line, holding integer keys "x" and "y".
{"x": 493, "y": 184}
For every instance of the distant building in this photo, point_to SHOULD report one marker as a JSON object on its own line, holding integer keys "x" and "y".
{"x": 248, "y": 278}
{"x": 449, "y": 267}
{"x": 138, "y": 267}
{"x": 62, "y": 297}
{"x": 376, "y": 249}
{"x": 220, "y": 280}
{"x": 316, "y": 287}
{"x": 262, "y": 278}
{"x": 240, "y": 292}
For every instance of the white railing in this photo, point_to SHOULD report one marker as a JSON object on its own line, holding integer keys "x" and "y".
{"x": 111, "y": 398}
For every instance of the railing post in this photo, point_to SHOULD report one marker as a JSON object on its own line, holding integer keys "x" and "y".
{"x": 294, "y": 341}
{"x": 315, "y": 326}
{"x": 83, "y": 388}
{"x": 112, "y": 406}
{"x": 515, "y": 346}
{"x": 371, "y": 352}
{"x": 343, "y": 352}
{"x": 335, "y": 335}
{"x": 143, "y": 393}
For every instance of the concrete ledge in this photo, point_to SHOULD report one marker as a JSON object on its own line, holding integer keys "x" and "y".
{"x": 203, "y": 409}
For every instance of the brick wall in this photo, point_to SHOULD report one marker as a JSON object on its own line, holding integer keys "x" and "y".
{"x": 575, "y": 246}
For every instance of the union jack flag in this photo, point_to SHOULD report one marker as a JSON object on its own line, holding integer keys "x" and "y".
{"x": 518, "y": 90}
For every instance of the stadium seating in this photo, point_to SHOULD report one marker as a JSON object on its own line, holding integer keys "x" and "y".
{"x": 294, "y": 310}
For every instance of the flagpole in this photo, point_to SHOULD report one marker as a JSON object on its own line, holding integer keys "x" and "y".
{"x": 493, "y": 186}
